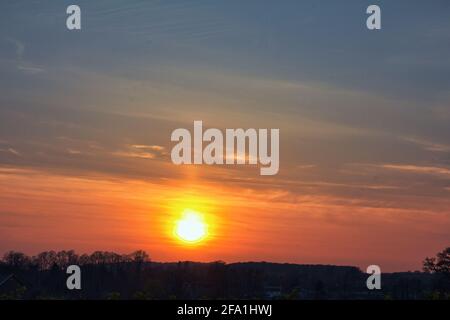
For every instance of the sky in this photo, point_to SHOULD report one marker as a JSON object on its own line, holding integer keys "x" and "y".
{"x": 86, "y": 118}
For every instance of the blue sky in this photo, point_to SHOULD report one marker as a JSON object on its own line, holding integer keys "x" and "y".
{"x": 310, "y": 62}
{"x": 364, "y": 115}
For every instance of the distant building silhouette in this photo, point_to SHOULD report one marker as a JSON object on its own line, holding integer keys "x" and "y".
{"x": 11, "y": 286}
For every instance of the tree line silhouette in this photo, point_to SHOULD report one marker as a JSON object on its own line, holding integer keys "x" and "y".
{"x": 61, "y": 259}
{"x": 108, "y": 275}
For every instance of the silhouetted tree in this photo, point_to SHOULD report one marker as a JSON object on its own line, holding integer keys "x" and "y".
{"x": 139, "y": 256}
{"x": 16, "y": 260}
{"x": 132, "y": 276}
{"x": 45, "y": 260}
{"x": 438, "y": 264}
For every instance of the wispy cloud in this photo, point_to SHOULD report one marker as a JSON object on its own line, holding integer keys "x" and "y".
{"x": 153, "y": 147}
{"x": 73, "y": 151}
{"x": 23, "y": 65}
{"x": 30, "y": 69}
{"x": 306, "y": 166}
{"x": 418, "y": 169}
{"x": 142, "y": 155}
{"x": 19, "y": 46}
{"x": 428, "y": 145}
{"x": 11, "y": 151}
{"x": 142, "y": 151}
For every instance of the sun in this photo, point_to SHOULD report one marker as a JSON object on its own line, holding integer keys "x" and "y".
{"x": 191, "y": 228}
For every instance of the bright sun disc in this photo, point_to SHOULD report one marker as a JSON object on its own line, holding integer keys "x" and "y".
{"x": 191, "y": 228}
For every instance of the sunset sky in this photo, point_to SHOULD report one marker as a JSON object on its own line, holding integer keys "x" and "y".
{"x": 364, "y": 118}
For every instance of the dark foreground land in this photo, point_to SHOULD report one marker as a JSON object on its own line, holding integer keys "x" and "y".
{"x": 106, "y": 275}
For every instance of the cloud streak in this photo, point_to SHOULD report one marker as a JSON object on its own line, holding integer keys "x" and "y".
{"x": 444, "y": 172}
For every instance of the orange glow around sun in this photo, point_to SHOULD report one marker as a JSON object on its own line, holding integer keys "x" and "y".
{"x": 192, "y": 220}
{"x": 191, "y": 228}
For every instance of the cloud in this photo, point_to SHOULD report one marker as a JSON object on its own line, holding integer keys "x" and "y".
{"x": 30, "y": 69}
{"x": 306, "y": 166}
{"x": 419, "y": 169}
{"x": 73, "y": 151}
{"x": 142, "y": 151}
{"x": 143, "y": 146}
{"x": 428, "y": 145}
{"x": 11, "y": 151}
{"x": 8, "y": 170}
{"x": 19, "y": 46}
{"x": 22, "y": 64}
{"x": 143, "y": 155}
